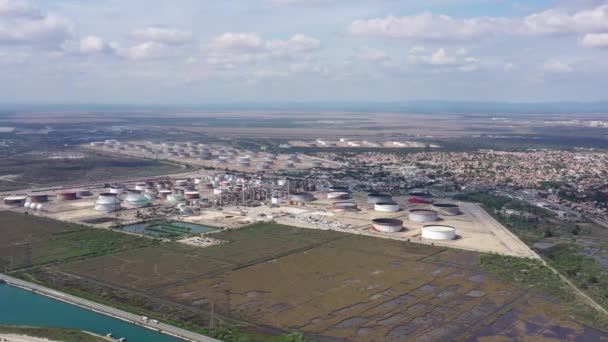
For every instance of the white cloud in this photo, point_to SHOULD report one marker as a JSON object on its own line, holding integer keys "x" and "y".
{"x": 92, "y": 44}
{"x": 163, "y": 35}
{"x": 432, "y": 27}
{"x": 48, "y": 30}
{"x": 595, "y": 40}
{"x": 557, "y": 67}
{"x": 427, "y": 27}
{"x": 244, "y": 48}
{"x": 146, "y": 50}
{"x": 559, "y": 21}
{"x": 441, "y": 58}
{"x": 18, "y": 8}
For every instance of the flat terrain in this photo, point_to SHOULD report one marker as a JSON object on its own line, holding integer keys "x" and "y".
{"x": 325, "y": 284}
{"x": 31, "y": 240}
{"x": 23, "y": 334}
{"x": 35, "y": 170}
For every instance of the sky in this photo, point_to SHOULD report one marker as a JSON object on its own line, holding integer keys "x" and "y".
{"x": 199, "y": 51}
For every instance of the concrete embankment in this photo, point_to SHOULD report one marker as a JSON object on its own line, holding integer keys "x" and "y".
{"x": 106, "y": 310}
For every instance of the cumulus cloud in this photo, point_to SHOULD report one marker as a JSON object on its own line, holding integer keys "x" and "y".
{"x": 22, "y": 23}
{"x": 427, "y": 27}
{"x": 243, "y": 48}
{"x": 92, "y": 44}
{"x": 432, "y": 27}
{"x": 459, "y": 59}
{"x": 18, "y": 8}
{"x": 559, "y": 21}
{"x": 145, "y": 50}
{"x": 557, "y": 67}
{"x": 163, "y": 35}
{"x": 48, "y": 30}
{"x": 595, "y": 40}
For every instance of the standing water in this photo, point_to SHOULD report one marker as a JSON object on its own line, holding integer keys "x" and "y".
{"x": 21, "y": 307}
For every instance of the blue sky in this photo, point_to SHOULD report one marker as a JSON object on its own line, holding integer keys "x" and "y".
{"x": 196, "y": 51}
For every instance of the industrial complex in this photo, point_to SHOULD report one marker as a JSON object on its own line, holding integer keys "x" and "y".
{"x": 234, "y": 200}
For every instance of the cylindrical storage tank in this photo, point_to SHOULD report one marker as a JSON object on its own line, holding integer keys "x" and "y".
{"x": 181, "y": 182}
{"x": 117, "y": 190}
{"x": 136, "y": 200}
{"x": 151, "y": 193}
{"x": 83, "y": 193}
{"x": 338, "y": 195}
{"x": 175, "y": 198}
{"x": 67, "y": 196}
{"x": 141, "y": 186}
{"x": 302, "y": 197}
{"x": 107, "y": 202}
{"x": 336, "y": 188}
{"x": 15, "y": 201}
{"x": 387, "y": 225}
{"x": 386, "y": 207}
{"x": 177, "y": 191}
{"x": 164, "y": 193}
{"x": 344, "y": 206}
{"x": 374, "y": 197}
{"x": 192, "y": 195}
{"x": 437, "y": 232}
{"x": 38, "y": 198}
{"x": 423, "y": 215}
{"x": 447, "y": 209}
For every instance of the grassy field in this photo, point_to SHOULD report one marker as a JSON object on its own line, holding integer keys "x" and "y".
{"x": 25, "y": 171}
{"x": 31, "y": 240}
{"x": 53, "y": 334}
{"x": 324, "y": 284}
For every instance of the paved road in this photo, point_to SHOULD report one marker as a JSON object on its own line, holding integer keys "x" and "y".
{"x": 131, "y": 318}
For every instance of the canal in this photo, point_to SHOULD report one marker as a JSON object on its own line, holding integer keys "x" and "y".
{"x": 21, "y": 307}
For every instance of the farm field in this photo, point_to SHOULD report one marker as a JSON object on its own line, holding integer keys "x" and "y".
{"x": 331, "y": 286}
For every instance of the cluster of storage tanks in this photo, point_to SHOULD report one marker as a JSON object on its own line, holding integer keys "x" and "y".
{"x": 216, "y": 154}
{"x": 384, "y": 203}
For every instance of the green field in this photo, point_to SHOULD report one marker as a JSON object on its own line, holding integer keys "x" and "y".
{"x": 31, "y": 240}
{"x": 325, "y": 284}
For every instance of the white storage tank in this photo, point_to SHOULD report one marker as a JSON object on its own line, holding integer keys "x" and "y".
{"x": 338, "y": 195}
{"x": 438, "y": 232}
{"x": 387, "y": 207}
{"x": 423, "y": 215}
{"x": 387, "y": 225}
{"x": 136, "y": 200}
{"x": 107, "y": 202}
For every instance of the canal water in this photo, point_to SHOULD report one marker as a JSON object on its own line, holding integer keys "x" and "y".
{"x": 21, "y": 307}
